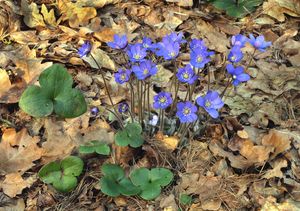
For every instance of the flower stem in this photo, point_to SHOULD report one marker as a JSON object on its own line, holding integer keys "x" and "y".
{"x": 107, "y": 91}
{"x": 117, "y": 116}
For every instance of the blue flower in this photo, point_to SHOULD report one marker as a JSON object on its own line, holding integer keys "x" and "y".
{"x": 84, "y": 49}
{"x": 145, "y": 69}
{"x": 259, "y": 42}
{"x": 235, "y": 55}
{"x": 239, "y": 40}
{"x": 120, "y": 42}
{"x": 186, "y": 75}
{"x": 211, "y": 102}
{"x": 198, "y": 44}
{"x": 123, "y": 107}
{"x": 136, "y": 52}
{"x": 94, "y": 111}
{"x": 174, "y": 37}
{"x": 238, "y": 74}
{"x": 186, "y": 112}
{"x": 122, "y": 76}
{"x": 162, "y": 100}
{"x": 199, "y": 58}
{"x": 167, "y": 49}
{"x": 147, "y": 43}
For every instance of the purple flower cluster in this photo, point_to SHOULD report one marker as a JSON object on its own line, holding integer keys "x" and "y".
{"x": 200, "y": 56}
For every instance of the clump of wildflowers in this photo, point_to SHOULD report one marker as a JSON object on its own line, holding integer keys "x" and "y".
{"x": 211, "y": 102}
{"x": 119, "y": 42}
{"x": 239, "y": 40}
{"x": 186, "y": 112}
{"x": 200, "y": 57}
{"x": 136, "y": 52}
{"x": 235, "y": 55}
{"x": 85, "y": 49}
{"x": 122, "y": 76}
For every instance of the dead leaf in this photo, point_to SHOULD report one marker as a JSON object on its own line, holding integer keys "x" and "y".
{"x": 97, "y": 3}
{"x": 183, "y": 3}
{"x": 277, "y": 8}
{"x": 32, "y": 16}
{"x": 49, "y": 16}
{"x": 287, "y": 205}
{"x": 13, "y": 184}
{"x": 9, "y": 21}
{"x": 168, "y": 203}
{"x": 170, "y": 143}
{"x": 213, "y": 204}
{"x": 102, "y": 59}
{"x": 18, "y": 150}
{"x": 276, "y": 171}
{"x": 280, "y": 141}
{"x": 17, "y": 205}
{"x": 75, "y": 13}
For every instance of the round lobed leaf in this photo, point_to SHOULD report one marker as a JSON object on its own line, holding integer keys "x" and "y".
{"x": 185, "y": 199}
{"x": 72, "y": 166}
{"x": 127, "y": 188}
{"x": 70, "y": 103}
{"x": 35, "y": 102}
{"x": 150, "y": 191}
{"x": 95, "y": 146}
{"x": 50, "y": 172}
{"x": 133, "y": 128}
{"x": 113, "y": 171}
{"x": 55, "y": 79}
{"x": 109, "y": 187}
{"x": 121, "y": 138}
{"x": 136, "y": 140}
{"x": 65, "y": 183}
{"x": 161, "y": 176}
{"x": 140, "y": 177}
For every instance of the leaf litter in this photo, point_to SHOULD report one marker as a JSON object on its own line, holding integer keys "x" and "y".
{"x": 249, "y": 161}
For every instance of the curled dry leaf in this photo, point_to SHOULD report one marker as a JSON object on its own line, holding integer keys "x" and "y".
{"x": 102, "y": 59}
{"x": 13, "y": 184}
{"x": 278, "y": 8}
{"x": 18, "y": 150}
{"x": 9, "y": 21}
{"x": 31, "y": 13}
{"x": 276, "y": 171}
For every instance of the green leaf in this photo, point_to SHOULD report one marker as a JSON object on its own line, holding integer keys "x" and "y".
{"x": 140, "y": 177}
{"x": 127, "y": 188}
{"x": 136, "y": 141}
{"x": 150, "y": 191}
{"x": 237, "y": 9}
{"x": 70, "y": 103}
{"x": 109, "y": 187}
{"x": 95, "y": 146}
{"x": 35, "y": 102}
{"x": 121, "y": 138}
{"x": 72, "y": 166}
{"x": 50, "y": 172}
{"x": 55, "y": 79}
{"x": 65, "y": 184}
{"x": 161, "y": 176}
{"x": 133, "y": 128}
{"x": 185, "y": 199}
{"x": 113, "y": 171}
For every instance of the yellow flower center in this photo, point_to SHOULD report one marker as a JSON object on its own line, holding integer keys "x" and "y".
{"x": 199, "y": 59}
{"x": 137, "y": 56}
{"x": 123, "y": 77}
{"x": 146, "y": 71}
{"x": 186, "y": 111}
{"x": 207, "y": 103}
{"x": 233, "y": 58}
{"x": 234, "y": 76}
{"x": 186, "y": 76}
{"x": 172, "y": 54}
{"x": 162, "y": 99}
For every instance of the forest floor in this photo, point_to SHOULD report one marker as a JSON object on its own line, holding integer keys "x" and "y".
{"x": 250, "y": 160}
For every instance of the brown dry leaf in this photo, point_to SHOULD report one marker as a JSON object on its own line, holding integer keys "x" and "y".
{"x": 24, "y": 37}
{"x": 170, "y": 143}
{"x": 18, "y": 150}
{"x": 168, "y": 203}
{"x": 9, "y": 21}
{"x": 97, "y": 3}
{"x": 102, "y": 59}
{"x": 288, "y": 205}
{"x": 75, "y": 13}
{"x": 49, "y": 16}
{"x": 27, "y": 69}
{"x": 212, "y": 204}
{"x": 13, "y": 184}
{"x": 276, "y": 171}
{"x": 183, "y": 3}
{"x": 17, "y": 205}
{"x": 215, "y": 39}
{"x": 32, "y": 16}
{"x": 280, "y": 141}
{"x": 277, "y": 8}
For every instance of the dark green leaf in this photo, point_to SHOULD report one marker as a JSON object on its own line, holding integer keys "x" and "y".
{"x": 113, "y": 171}
{"x": 150, "y": 191}
{"x": 121, "y": 138}
{"x": 133, "y": 128}
{"x": 136, "y": 141}
{"x": 109, "y": 187}
{"x": 65, "y": 184}
{"x": 161, "y": 176}
{"x": 95, "y": 146}
{"x": 237, "y": 9}
{"x": 185, "y": 199}
{"x": 127, "y": 188}
{"x": 35, "y": 102}
{"x": 50, "y": 172}
{"x": 72, "y": 166}
{"x": 70, "y": 103}
{"x": 140, "y": 177}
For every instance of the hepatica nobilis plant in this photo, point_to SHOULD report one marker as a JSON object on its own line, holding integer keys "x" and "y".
{"x": 167, "y": 111}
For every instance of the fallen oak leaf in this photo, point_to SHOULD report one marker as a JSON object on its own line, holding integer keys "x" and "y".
{"x": 276, "y": 171}
{"x": 18, "y": 150}
{"x": 32, "y": 16}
